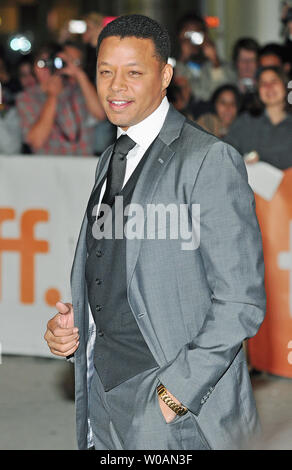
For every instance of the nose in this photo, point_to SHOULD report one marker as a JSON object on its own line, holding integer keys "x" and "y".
{"x": 118, "y": 82}
{"x": 267, "y": 85}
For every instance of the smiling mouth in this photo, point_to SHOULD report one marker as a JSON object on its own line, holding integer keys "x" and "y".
{"x": 119, "y": 104}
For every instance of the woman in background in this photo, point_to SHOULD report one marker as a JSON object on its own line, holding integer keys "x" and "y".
{"x": 226, "y": 103}
{"x": 268, "y": 129}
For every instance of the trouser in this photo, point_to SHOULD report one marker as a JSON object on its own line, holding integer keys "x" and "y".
{"x": 128, "y": 417}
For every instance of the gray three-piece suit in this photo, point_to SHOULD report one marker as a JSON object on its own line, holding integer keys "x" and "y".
{"x": 187, "y": 311}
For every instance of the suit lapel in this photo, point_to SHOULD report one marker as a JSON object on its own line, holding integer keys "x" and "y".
{"x": 103, "y": 166}
{"x": 160, "y": 155}
{"x": 77, "y": 272}
{"x": 153, "y": 169}
{"x": 80, "y": 252}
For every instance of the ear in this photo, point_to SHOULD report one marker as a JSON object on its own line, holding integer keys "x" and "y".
{"x": 167, "y": 73}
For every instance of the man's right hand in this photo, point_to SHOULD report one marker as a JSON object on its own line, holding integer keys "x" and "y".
{"x": 61, "y": 335}
{"x": 54, "y": 85}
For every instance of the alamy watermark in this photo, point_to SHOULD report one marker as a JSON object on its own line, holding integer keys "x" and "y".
{"x": 153, "y": 222}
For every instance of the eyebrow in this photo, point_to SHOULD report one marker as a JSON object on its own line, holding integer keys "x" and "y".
{"x": 130, "y": 64}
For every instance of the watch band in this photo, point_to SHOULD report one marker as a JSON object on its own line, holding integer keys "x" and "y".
{"x": 178, "y": 409}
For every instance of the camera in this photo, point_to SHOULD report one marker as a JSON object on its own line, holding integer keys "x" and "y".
{"x": 249, "y": 85}
{"x": 196, "y": 38}
{"x": 77, "y": 27}
{"x": 53, "y": 64}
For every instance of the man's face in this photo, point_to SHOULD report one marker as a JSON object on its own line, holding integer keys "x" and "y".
{"x": 247, "y": 64}
{"x": 188, "y": 49}
{"x": 270, "y": 60}
{"x": 74, "y": 54}
{"x": 131, "y": 79}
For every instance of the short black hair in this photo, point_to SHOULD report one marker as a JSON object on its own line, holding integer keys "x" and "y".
{"x": 273, "y": 48}
{"x": 138, "y": 26}
{"x": 249, "y": 44}
{"x": 191, "y": 17}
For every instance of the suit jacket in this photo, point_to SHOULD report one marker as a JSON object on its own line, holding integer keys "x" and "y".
{"x": 207, "y": 300}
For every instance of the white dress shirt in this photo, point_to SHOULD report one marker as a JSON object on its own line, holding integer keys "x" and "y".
{"x": 143, "y": 133}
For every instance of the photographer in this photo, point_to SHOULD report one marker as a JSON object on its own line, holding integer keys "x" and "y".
{"x": 56, "y": 114}
{"x": 198, "y": 58}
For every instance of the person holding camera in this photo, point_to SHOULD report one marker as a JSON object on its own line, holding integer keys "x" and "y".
{"x": 198, "y": 58}
{"x": 57, "y": 113}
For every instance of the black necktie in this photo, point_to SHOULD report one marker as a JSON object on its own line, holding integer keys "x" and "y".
{"x": 117, "y": 168}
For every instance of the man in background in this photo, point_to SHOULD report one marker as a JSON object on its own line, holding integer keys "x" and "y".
{"x": 56, "y": 114}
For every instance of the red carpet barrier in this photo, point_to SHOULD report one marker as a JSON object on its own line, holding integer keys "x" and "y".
{"x": 42, "y": 203}
{"x": 271, "y": 349}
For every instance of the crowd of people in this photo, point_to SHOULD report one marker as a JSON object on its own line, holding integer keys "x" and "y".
{"x": 50, "y": 105}
{"x": 244, "y": 103}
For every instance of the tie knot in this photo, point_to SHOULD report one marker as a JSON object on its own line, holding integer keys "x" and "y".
{"x": 124, "y": 144}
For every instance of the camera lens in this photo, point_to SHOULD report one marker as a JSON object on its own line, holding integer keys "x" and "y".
{"x": 58, "y": 63}
{"x": 195, "y": 37}
{"x": 41, "y": 64}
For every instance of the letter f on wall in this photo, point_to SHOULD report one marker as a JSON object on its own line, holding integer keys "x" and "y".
{"x": 27, "y": 247}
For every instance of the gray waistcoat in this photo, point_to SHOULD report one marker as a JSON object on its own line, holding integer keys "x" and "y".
{"x": 120, "y": 349}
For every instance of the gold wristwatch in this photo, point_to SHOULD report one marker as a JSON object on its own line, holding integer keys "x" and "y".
{"x": 178, "y": 409}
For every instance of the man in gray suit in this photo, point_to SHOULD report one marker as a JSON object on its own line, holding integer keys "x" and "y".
{"x": 158, "y": 320}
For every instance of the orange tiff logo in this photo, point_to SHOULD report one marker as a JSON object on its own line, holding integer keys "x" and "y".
{"x": 27, "y": 247}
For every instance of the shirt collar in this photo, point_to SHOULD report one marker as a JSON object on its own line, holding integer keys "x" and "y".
{"x": 147, "y": 130}
{"x": 266, "y": 116}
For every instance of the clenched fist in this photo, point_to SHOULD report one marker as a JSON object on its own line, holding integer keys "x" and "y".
{"x": 61, "y": 335}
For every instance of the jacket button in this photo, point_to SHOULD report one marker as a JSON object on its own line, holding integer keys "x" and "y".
{"x": 98, "y": 253}
{"x": 100, "y": 333}
{"x": 98, "y": 308}
{"x": 98, "y": 281}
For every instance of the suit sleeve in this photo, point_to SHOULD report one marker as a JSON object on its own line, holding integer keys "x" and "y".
{"x": 231, "y": 252}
